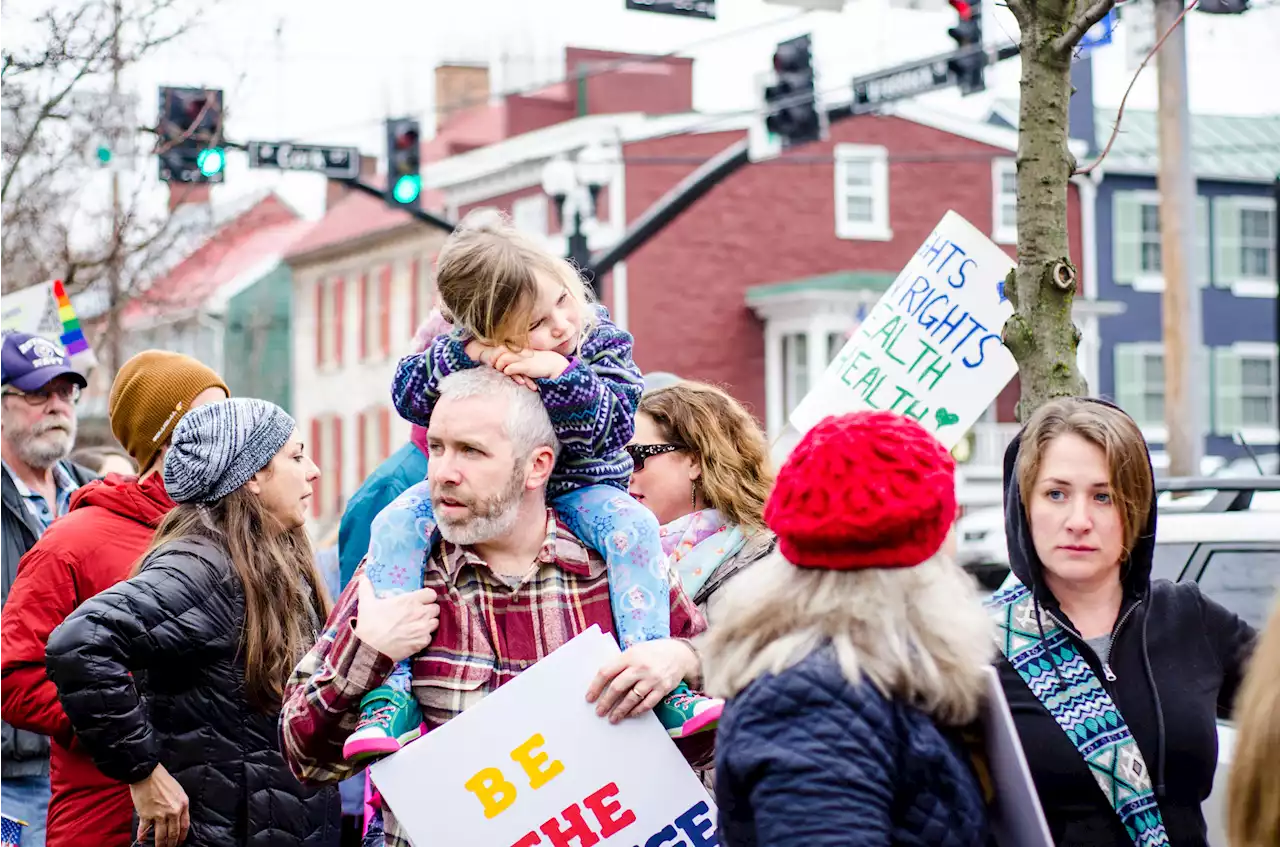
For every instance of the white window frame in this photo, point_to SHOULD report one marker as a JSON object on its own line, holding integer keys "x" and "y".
{"x": 1003, "y": 231}
{"x": 817, "y": 330}
{"x": 1258, "y": 286}
{"x": 877, "y": 229}
{"x": 523, "y": 208}
{"x": 1148, "y": 280}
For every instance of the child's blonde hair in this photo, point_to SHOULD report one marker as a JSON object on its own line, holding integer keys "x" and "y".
{"x": 487, "y": 277}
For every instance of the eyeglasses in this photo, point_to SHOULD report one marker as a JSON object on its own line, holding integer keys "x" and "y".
{"x": 67, "y": 391}
{"x": 640, "y": 452}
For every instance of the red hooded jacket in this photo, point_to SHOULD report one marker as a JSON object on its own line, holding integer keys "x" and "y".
{"x": 94, "y": 546}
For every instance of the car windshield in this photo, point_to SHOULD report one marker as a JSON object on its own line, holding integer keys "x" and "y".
{"x": 1170, "y": 560}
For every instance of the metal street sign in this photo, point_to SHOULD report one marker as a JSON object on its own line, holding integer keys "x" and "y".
{"x": 914, "y": 78}
{"x": 901, "y": 83}
{"x": 333, "y": 162}
{"x": 705, "y": 9}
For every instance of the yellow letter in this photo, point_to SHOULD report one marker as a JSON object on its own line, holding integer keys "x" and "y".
{"x": 533, "y": 764}
{"x": 493, "y": 790}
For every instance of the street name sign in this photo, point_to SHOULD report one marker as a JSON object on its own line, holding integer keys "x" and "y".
{"x": 333, "y": 162}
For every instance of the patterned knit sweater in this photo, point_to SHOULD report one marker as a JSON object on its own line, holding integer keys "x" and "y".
{"x": 592, "y": 405}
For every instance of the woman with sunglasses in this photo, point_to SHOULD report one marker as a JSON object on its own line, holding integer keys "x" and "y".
{"x": 702, "y": 467}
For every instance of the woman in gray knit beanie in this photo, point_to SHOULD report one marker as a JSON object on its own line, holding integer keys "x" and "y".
{"x": 219, "y": 611}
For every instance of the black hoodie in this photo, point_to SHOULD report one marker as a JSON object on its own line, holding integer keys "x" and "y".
{"x": 1177, "y": 658}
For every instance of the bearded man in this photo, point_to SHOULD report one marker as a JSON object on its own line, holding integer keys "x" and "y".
{"x": 506, "y": 583}
{"x": 37, "y": 432}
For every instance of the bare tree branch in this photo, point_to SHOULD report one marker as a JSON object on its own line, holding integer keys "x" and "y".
{"x": 1021, "y": 12}
{"x": 1115, "y": 128}
{"x": 1082, "y": 24}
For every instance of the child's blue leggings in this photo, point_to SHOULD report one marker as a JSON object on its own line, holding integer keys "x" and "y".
{"x": 601, "y": 516}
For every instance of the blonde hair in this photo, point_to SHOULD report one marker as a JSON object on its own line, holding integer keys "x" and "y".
{"x": 728, "y": 444}
{"x": 1253, "y": 790}
{"x": 487, "y": 278}
{"x": 919, "y": 635}
{"x": 1111, "y": 431}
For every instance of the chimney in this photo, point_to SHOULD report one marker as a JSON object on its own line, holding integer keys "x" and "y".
{"x": 335, "y": 190}
{"x": 458, "y": 87}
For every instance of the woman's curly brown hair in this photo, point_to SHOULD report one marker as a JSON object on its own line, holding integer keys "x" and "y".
{"x": 725, "y": 440}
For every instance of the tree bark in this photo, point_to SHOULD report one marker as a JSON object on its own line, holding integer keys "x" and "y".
{"x": 1040, "y": 334}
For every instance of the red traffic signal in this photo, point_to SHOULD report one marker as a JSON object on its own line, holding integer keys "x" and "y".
{"x": 962, "y": 8}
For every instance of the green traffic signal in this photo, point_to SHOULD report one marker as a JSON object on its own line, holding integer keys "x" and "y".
{"x": 211, "y": 161}
{"x": 407, "y": 188}
{"x": 104, "y": 155}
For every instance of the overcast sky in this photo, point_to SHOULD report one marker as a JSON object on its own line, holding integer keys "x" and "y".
{"x": 329, "y": 71}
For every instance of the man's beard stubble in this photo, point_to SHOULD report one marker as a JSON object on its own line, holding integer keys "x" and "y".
{"x": 489, "y": 519}
{"x": 46, "y": 443}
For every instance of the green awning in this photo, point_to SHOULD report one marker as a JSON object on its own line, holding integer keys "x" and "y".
{"x": 840, "y": 281}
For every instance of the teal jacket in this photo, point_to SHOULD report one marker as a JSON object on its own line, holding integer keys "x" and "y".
{"x": 403, "y": 468}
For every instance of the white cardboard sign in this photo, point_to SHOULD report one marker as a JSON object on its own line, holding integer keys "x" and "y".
{"x": 534, "y": 758}
{"x": 931, "y": 347}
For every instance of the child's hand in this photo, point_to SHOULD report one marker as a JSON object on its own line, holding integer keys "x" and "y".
{"x": 539, "y": 364}
{"x": 477, "y": 351}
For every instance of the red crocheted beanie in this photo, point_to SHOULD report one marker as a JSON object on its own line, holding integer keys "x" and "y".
{"x": 864, "y": 490}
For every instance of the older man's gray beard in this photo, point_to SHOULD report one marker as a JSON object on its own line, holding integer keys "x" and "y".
{"x": 490, "y": 518}
{"x": 45, "y": 444}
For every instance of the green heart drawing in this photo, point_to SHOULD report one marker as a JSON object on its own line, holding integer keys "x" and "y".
{"x": 945, "y": 418}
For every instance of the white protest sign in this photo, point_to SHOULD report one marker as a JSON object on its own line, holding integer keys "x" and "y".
{"x": 1017, "y": 819}
{"x": 532, "y": 764}
{"x": 930, "y": 348}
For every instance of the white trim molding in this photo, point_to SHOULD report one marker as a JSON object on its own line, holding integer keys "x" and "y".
{"x": 877, "y": 192}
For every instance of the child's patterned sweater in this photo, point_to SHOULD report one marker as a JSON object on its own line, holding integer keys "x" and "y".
{"x": 592, "y": 405}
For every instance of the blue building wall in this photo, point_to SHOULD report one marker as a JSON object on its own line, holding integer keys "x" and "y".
{"x": 1226, "y": 318}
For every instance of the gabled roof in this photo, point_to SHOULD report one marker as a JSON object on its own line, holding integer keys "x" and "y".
{"x": 355, "y": 216}
{"x": 256, "y": 239}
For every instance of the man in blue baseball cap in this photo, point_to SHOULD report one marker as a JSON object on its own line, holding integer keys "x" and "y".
{"x": 37, "y": 432}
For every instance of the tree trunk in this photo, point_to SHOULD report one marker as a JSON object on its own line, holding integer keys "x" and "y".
{"x": 1040, "y": 334}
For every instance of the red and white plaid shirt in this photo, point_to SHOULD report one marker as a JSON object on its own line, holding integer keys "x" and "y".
{"x": 490, "y": 631}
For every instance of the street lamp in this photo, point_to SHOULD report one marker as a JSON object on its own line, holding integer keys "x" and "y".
{"x": 575, "y": 187}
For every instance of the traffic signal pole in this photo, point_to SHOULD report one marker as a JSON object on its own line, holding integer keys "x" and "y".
{"x": 694, "y": 186}
{"x": 416, "y": 211}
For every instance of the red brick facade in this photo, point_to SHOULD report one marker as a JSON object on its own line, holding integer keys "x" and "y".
{"x": 774, "y": 222}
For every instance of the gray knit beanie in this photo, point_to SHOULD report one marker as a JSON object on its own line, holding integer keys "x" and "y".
{"x": 218, "y": 447}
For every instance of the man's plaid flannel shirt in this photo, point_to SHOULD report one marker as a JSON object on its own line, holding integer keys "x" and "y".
{"x": 489, "y": 633}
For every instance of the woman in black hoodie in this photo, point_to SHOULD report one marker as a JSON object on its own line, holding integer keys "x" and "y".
{"x": 1114, "y": 681}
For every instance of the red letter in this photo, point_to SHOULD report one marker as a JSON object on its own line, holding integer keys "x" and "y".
{"x": 605, "y": 812}
{"x": 529, "y": 840}
{"x": 577, "y": 829}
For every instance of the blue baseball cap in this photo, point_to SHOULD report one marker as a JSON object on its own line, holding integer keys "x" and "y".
{"x": 31, "y": 361}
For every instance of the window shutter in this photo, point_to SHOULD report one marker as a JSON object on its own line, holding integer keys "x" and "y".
{"x": 1126, "y": 237}
{"x": 1200, "y": 262}
{"x": 1226, "y": 234}
{"x": 320, "y": 326}
{"x": 1128, "y": 380}
{"x": 362, "y": 316}
{"x": 339, "y": 329}
{"x": 336, "y": 478}
{"x": 362, "y": 445}
{"x": 317, "y": 498}
{"x": 384, "y": 433}
{"x": 1227, "y": 402}
{"x": 416, "y": 314}
{"x": 384, "y": 311}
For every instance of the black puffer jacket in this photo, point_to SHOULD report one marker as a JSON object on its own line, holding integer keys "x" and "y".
{"x": 177, "y": 627}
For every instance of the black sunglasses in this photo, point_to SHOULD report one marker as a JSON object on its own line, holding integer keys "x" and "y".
{"x": 640, "y": 452}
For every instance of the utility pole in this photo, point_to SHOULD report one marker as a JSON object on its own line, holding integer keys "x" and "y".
{"x": 1184, "y": 387}
{"x": 114, "y": 269}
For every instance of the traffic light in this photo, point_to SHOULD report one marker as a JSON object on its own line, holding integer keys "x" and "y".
{"x": 190, "y": 135}
{"x": 404, "y": 162}
{"x": 967, "y": 34}
{"x": 792, "y": 110}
